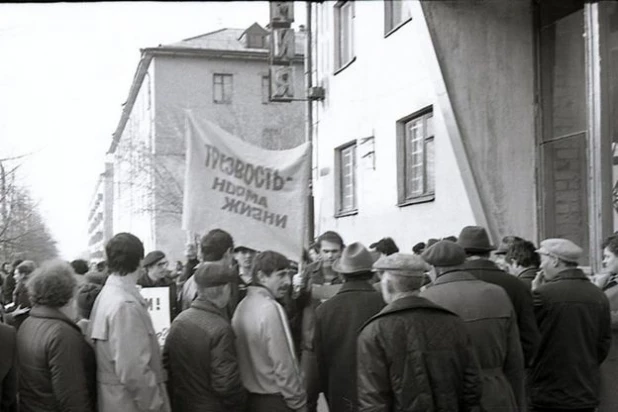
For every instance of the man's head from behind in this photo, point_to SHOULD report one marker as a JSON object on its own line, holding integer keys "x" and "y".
{"x": 558, "y": 255}
{"x": 80, "y": 266}
{"x": 213, "y": 283}
{"x": 124, "y": 254}
{"x": 330, "y": 245}
{"x": 402, "y": 274}
{"x": 521, "y": 254}
{"x": 271, "y": 270}
{"x": 217, "y": 245}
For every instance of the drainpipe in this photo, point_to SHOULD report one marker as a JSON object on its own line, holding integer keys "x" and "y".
{"x": 309, "y": 85}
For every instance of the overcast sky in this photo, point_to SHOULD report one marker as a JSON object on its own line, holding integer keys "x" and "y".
{"x": 65, "y": 70}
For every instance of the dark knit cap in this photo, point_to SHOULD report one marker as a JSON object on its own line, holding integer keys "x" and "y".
{"x": 444, "y": 253}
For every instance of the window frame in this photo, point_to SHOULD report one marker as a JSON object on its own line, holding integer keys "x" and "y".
{"x": 340, "y": 65}
{"x": 339, "y": 211}
{"x": 403, "y": 198}
{"x": 215, "y": 84}
{"x": 389, "y": 24}
{"x": 265, "y": 82}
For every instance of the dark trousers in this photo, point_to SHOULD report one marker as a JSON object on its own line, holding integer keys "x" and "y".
{"x": 267, "y": 403}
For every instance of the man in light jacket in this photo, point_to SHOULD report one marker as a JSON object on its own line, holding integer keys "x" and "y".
{"x": 266, "y": 356}
{"x": 130, "y": 375}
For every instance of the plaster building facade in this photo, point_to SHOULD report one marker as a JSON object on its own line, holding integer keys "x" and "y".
{"x": 223, "y": 76}
{"x": 101, "y": 214}
{"x": 442, "y": 114}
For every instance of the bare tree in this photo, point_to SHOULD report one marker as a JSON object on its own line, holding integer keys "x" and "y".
{"x": 23, "y": 232}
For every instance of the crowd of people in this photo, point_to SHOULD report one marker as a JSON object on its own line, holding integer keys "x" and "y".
{"x": 455, "y": 325}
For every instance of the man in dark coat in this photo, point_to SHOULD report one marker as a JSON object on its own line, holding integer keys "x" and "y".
{"x": 199, "y": 353}
{"x": 8, "y": 369}
{"x": 155, "y": 275}
{"x": 574, "y": 320}
{"x": 414, "y": 356}
{"x": 491, "y": 322}
{"x": 475, "y": 241}
{"x": 337, "y": 323}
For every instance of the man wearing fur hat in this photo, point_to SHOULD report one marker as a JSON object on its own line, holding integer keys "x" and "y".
{"x": 475, "y": 241}
{"x": 574, "y": 320}
{"x": 337, "y": 322}
{"x": 414, "y": 355}
{"x": 155, "y": 275}
{"x": 199, "y": 353}
{"x": 490, "y": 319}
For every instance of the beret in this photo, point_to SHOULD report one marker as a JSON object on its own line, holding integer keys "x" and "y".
{"x": 401, "y": 261}
{"x": 563, "y": 249}
{"x": 152, "y": 258}
{"x": 239, "y": 248}
{"x": 86, "y": 296}
{"x": 210, "y": 274}
{"x": 444, "y": 253}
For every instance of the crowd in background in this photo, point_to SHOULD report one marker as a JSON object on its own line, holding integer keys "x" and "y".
{"x": 455, "y": 325}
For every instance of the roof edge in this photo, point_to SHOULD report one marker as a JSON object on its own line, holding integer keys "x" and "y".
{"x": 195, "y": 52}
{"x": 138, "y": 79}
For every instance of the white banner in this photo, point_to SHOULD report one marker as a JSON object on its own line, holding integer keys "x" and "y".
{"x": 258, "y": 196}
{"x": 158, "y": 300}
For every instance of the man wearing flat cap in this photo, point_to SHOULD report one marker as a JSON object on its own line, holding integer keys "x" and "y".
{"x": 490, "y": 320}
{"x": 337, "y": 322}
{"x": 475, "y": 241}
{"x": 155, "y": 275}
{"x": 414, "y": 355}
{"x": 199, "y": 352}
{"x": 574, "y": 319}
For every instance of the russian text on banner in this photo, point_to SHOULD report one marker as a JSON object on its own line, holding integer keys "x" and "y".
{"x": 256, "y": 195}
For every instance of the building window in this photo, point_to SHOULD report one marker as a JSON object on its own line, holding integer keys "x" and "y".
{"x": 265, "y": 89}
{"x": 222, "y": 88}
{"x": 396, "y": 13}
{"x": 416, "y": 158}
{"x": 344, "y": 29}
{"x": 345, "y": 167}
{"x": 255, "y": 41}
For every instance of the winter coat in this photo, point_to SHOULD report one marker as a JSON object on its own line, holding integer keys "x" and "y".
{"x": 57, "y": 367}
{"x": 338, "y": 321}
{"x": 8, "y": 369}
{"x": 574, "y": 319}
{"x": 609, "y": 368}
{"x": 415, "y": 356}
{"x": 130, "y": 375}
{"x": 521, "y": 298}
{"x": 491, "y": 322}
{"x": 200, "y": 358}
{"x": 527, "y": 276}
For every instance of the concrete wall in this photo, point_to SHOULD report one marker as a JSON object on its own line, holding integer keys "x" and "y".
{"x": 133, "y": 188}
{"x": 186, "y": 83}
{"x": 388, "y": 81}
{"x": 486, "y": 53}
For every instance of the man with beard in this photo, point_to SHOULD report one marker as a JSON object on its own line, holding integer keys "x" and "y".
{"x": 266, "y": 355}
